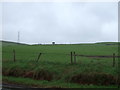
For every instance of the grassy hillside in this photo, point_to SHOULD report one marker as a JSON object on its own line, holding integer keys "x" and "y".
{"x": 55, "y": 63}
{"x": 109, "y": 43}
{"x": 8, "y": 43}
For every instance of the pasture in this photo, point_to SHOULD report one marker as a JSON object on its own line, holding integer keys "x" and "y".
{"x": 54, "y": 68}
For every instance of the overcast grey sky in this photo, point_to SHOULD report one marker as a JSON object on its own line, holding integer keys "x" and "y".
{"x": 60, "y": 22}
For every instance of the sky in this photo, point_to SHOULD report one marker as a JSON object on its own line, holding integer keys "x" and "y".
{"x": 63, "y": 23}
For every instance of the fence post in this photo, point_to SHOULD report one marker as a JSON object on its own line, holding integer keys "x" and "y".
{"x": 14, "y": 58}
{"x": 74, "y": 58}
{"x": 71, "y": 57}
{"x": 113, "y": 59}
{"x": 39, "y": 56}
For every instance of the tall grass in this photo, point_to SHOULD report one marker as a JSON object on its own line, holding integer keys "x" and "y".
{"x": 54, "y": 63}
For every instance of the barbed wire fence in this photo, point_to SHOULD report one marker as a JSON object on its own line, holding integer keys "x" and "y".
{"x": 71, "y": 56}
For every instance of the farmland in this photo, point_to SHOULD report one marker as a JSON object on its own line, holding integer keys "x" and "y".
{"x": 54, "y": 68}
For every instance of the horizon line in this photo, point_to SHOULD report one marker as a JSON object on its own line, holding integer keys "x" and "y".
{"x": 55, "y": 42}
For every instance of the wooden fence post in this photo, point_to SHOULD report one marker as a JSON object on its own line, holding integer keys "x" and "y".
{"x": 71, "y": 57}
{"x": 113, "y": 59}
{"x": 14, "y": 58}
{"x": 39, "y": 56}
{"x": 74, "y": 58}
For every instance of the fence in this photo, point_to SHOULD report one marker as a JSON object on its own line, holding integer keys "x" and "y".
{"x": 72, "y": 57}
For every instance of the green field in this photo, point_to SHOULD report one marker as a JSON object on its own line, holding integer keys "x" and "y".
{"x": 54, "y": 68}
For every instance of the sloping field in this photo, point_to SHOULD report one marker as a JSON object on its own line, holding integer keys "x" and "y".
{"x": 54, "y": 64}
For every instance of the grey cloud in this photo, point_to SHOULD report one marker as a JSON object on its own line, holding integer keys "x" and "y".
{"x": 60, "y": 22}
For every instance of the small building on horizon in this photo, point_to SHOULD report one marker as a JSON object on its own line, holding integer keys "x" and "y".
{"x": 53, "y": 43}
